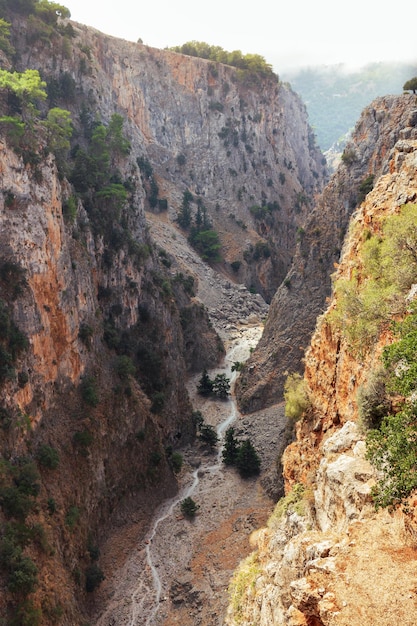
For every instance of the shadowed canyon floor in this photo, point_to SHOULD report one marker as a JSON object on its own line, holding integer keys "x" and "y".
{"x": 194, "y": 560}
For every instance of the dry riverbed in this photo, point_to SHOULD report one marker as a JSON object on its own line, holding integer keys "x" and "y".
{"x": 179, "y": 574}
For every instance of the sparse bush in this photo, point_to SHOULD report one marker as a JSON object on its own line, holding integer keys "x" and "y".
{"x": 243, "y": 583}
{"x": 372, "y": 400}
{"x": 158, "y": 402}
{"x": 296, "y": 396}
{"x": 389, "y": 266}
{"x": 85, "y": 334}
{"x": 72, "y": 517}
{"x": 176, "y": 461}
{"x": 293, "y": 501}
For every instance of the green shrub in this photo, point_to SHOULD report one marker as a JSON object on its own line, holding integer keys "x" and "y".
{"x": 26, "y": 614}
{"x": 296, "y": 396}
{"x": 15, "y": 503}
{"x": 125, "y": 367}
{"x": 188, "y": 507}
{"x": 51, "y": 506}
{"x": 293, "y": 501}
{"x": 365, "y": 187}
{"x": 376, "y": 291}
{"x": 83, "y": 438}
{"x": 23, "y": 578}
{"x": 48, "y": 457}
{"x": 89, "y": 391}
{"x": 93, "y": 577}
{"x": 242, "y": 584}
{"x": 176, "y": 461}
{"x": 72, "y": 517}
{"x": 393, "y": 451}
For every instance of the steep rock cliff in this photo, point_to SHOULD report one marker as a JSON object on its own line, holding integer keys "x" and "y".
{"x": 233, "y": 144}
{"x": 328, "y": 557}
{"x": 302, "y": 296}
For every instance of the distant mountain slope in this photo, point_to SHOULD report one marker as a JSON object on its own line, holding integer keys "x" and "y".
{"x": 335, "y": 96}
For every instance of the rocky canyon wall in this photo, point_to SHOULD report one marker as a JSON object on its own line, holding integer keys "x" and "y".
{"x": 301, "y": 298}
{"x": 328, "y": 557}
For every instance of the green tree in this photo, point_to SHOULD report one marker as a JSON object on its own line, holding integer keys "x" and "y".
{"x": 27, "y": 86}
{"x": 119, "y": 145}
{"x": 188, "y": 507}
{"x": 247, "y": 460}
{"x": 411, "y": 85}
{"x": 231, "y": 447}
{"x": 59, "y": 126}
{"x": 59, "y": 131}
{"x": 221, "y": 386}
{"x": 5, "y": 44}
{"x": 205, "y": 384}
{"x": 207, "y": 243}
{"x": 208, "y": 435}
{"x": 50, "y": 11}
{"x": 184, "y": 215}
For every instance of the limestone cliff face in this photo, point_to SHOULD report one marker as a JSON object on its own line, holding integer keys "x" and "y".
{"x": 233, "y": 145}
{"x": 302, "y": 296}
{"x": 327, "y": 557}
{"x": 67, "y": 389}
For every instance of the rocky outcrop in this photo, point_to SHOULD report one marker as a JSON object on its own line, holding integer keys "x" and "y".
{"x": 302, "y": 296}
{"x": 327, "y": 556}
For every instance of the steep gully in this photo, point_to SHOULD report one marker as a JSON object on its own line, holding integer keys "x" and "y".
{"x": 179, "y": 573}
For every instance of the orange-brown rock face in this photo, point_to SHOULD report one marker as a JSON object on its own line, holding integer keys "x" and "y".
{"x": 327, "y": 557}
{"x": 375, "y": 149}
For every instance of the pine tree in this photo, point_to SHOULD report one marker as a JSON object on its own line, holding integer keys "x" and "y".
{"x": 205, "y": 385}
{"x": 221, "y": 386}
{"x": 231, "y": 447}
{"x": 247, "y": 460}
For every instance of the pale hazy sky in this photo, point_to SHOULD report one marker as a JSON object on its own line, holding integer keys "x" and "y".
{"x": 287, "y": 34}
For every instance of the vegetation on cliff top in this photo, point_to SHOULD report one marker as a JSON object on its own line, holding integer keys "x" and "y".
{"x": 249, "y": 66}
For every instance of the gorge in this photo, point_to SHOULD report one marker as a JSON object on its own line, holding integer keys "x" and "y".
{"x": 185, "y": 207}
